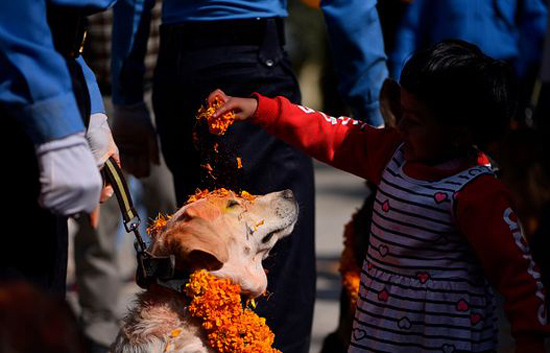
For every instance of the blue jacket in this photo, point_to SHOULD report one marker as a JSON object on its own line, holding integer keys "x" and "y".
{"x": 353, "y": 28}
{"x": 511, "y": 30}
{"x": 35, "y": 85}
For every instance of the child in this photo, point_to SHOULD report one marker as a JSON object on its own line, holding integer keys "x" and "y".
{"x": 443, "y": 226}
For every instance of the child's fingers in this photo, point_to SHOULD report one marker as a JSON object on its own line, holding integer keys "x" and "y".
{"x": 219, "y": 94}
{"x": 228, "y": 106}
{"x": 241, "y": 116}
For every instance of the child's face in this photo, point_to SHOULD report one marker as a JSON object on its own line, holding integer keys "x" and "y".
{"x": 427, "y": 141}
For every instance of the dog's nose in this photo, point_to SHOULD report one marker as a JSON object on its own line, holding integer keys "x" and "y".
{"x": 287, "y": 194}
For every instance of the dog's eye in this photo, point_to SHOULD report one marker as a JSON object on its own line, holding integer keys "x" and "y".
{"x": 232, "y": 203}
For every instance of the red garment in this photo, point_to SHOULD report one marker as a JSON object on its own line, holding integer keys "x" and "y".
{"x": 484, "y": 208}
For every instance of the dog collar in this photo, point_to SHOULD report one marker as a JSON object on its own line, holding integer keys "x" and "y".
{"x": 176, "y": 283}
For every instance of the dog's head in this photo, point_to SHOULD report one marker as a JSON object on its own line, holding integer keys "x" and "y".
{"x": 229, "y": 235}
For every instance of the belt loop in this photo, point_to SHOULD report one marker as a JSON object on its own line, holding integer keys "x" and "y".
{"x": 271, "y": 48}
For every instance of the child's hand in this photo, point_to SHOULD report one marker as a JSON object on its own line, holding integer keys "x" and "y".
{"x": 244, "y": 108}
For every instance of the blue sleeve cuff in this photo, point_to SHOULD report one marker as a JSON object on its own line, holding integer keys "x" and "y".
{"x": 51, "y": 119}
{"x": 370, "y": 113}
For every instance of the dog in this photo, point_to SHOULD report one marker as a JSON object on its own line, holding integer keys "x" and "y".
{"x": 226, "y": 234}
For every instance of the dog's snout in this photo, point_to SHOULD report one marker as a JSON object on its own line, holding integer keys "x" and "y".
{"x": 287, "y": 194}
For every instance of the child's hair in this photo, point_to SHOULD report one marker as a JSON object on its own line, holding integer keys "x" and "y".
{"x": 463, "y": 87}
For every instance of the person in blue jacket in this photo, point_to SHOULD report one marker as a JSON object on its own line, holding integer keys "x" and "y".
{"x": 510, "y": 30}
{"x": 48, "y": 97}
{"x": 238, "y": 46}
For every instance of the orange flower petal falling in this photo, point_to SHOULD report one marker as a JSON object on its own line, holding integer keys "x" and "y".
{"x": 219, "y": 125}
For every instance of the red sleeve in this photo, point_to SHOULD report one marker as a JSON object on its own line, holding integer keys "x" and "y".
{"x": 485, "y": 215}
{"x": 342, "y": 142}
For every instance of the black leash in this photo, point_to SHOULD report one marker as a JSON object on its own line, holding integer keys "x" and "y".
{"x": 151, "y": 269}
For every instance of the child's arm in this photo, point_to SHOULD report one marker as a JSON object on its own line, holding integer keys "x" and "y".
{"x": 342, "y": 142}
{"x": 485, "y": 216}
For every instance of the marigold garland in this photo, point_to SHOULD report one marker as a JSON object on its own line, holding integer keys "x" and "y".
{"x": 218, "y": 125}
{"x": 229, "y": 328}
{"x": 349, "y": 269}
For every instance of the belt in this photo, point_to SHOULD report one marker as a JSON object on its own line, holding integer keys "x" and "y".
{"x": 69, "y": 28}
{"x": 207, "y": 34}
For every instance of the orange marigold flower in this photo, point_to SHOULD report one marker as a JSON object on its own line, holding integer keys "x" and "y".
{"x": 349, "y": 270}
{"x": 199, "y": 194}
{"x": 219, "y": 125}
{"x": 239, "y": 162}
{"x": 222, "y": 192}
{"x": 158, "y": 225}
{"x": 247, "y": 196}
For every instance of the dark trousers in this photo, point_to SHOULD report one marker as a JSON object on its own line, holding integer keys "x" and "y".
{"x": 186, "y": 73}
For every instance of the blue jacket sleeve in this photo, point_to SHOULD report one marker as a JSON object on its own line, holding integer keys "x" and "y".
{"x": 35, "y": 85}
{"x": 407, "y": 38}
{"x": 358, "y": 50}
{"x": 96, "y": 100}
{"x": 532, "y": 17}
{"x": 132, "y": 20}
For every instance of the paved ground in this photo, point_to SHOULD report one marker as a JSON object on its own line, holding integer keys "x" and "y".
{"x": 339, "y": 194}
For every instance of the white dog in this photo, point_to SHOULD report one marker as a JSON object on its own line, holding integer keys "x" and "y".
{"x": 226, "y": 234}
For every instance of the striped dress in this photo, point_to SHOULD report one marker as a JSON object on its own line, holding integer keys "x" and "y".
{"x": 422, "y": 288}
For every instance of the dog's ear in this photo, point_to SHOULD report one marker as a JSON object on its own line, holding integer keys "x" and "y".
{"x": 196, "y": 246}
{"x": 390, "y": 102}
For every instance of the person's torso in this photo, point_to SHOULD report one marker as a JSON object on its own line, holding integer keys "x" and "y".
{"x": 413, "y": 227}
{"x": 422, "y": 286}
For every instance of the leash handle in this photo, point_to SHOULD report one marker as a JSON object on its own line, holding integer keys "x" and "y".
{"x": 113, "y": 175}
